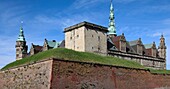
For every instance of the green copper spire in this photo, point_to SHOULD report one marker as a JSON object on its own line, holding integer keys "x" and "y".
{"x": 21, "y": 34}
{"x": 112, "y": 29}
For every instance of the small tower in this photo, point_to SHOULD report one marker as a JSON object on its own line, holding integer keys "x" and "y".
{"x": 162, "y": 48}
{"x": 21, "y": 47}
{"x": 112, "y": 28}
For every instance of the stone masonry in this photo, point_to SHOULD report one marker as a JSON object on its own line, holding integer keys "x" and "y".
{"x": 147, "y": 61}
{"x": 86, "y": 37}
{"x": 31, "y": 76}
{"x": 67, "y": 74}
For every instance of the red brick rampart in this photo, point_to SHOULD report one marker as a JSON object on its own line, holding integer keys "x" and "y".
{"x": 78, "y": 75}
{"x": 62, "y": 74}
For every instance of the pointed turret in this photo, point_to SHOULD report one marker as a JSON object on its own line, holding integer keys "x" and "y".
{"x": 112, "y": 28}
{"x": 21, "y": 35}
{"x": 21, "y": 47}
{"x": 162, "y": 47}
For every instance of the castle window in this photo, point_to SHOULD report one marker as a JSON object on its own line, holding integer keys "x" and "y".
{"x": 153, "y": 63}
{"x": 77, "y": 36}
{"x": 92, "y": 47}
{"x": 17, "y": 55}
{"x": 77, "y": 47}
{"x": 70, "y": 38}
{"x": 17, "y": 49}
{"x": 98, "y": 38}
{"x": 99, "y": 49}
{"x": 92, "y": 35}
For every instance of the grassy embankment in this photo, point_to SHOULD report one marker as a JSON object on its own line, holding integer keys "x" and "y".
{"x": 66, "y": 54}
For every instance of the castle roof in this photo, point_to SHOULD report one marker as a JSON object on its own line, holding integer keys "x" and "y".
{"x": 130, "y": 48}
{"x": 62, "y": 44}
{"x": 117, "y": 38}
{"x": 21, "y": 35}
{"x": 147, "y": 46}
{"x": 112, "y": 28}
{"x": 132, "y": 43}
{"x": 110, "y": 44}
{"x": 37, "y": 47}
{"x": 101, "y": 28}
{"x": 52, "y": 44}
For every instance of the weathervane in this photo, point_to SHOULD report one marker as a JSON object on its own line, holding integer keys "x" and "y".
{"x": 22, "y": 23}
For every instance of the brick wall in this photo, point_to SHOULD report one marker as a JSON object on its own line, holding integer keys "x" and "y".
{"x": 1, "y": 81}
{"x": 34, "y": 76}
{"x": 75, "y": 75}
{"x": 60, "y": 74}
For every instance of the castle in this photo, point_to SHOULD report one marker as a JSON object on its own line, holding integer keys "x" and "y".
{"x": 89, "y": 37}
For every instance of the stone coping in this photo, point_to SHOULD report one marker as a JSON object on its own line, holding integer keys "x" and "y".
{"x": 101, "y": 28}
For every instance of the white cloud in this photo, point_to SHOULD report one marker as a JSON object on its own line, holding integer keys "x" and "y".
{"x": 148, "y": 8}
{"x": 137, "y": 31}
{"x": 160, "y": 8}
{"x": 86, "y": 3}
{"x": 89, "y": 3}
{"x": 157, "y": 34}
{"x": 13, "y": 13}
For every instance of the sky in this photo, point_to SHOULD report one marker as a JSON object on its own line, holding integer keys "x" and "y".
{"x": 146, "y": 19}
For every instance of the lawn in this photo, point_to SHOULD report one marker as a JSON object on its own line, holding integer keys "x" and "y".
{"x": 67, "y": 54}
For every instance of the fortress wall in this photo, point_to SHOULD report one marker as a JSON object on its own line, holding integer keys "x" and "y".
{"x": 62, "y": 74}
{"x": 77, "y": 75}
{"x": 1, "y": 81}
{"x": 150, "y": 62}
{"x": 33, "y": 76}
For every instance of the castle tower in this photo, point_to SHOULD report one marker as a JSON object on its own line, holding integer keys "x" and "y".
{"x": 86, "y": 37}
{"x": 162, "y": 48}
{"x": 21, "y": 47}
{"x": 112, "y": 28}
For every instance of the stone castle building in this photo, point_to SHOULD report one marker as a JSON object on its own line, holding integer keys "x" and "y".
{"x": 86, "y": 37}
{"x": 89, "y": 37}
{"x": 21, "y": 47}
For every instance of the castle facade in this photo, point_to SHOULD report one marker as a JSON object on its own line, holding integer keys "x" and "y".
{"x": 89, "y": 37}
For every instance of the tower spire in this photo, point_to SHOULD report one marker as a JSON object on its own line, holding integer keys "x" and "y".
{"x": 21, "y": 34}
{"x": 112, "y": 28}
{"x": 21, "y": 46}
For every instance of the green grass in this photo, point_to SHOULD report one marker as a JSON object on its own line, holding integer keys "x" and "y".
{"x": 67, "y": 54}
{"x": 160, "y": 71}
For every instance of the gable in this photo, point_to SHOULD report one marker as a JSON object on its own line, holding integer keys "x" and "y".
{"x": 131, "y": 50}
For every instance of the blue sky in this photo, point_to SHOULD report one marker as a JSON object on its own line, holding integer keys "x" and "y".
{"x": 147, "y": 19}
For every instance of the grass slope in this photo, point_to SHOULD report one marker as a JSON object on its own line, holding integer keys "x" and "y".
{"x": 67, "y": 54}
{"x": 160, "y": 71}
